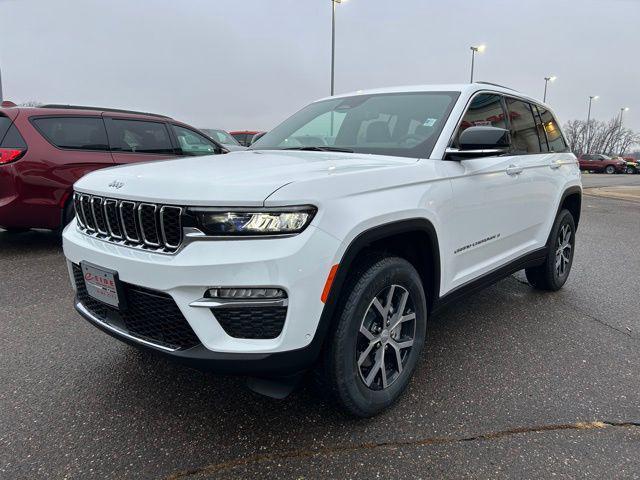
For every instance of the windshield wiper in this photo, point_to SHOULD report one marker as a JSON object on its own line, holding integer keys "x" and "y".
{"x": 321, "y": 149}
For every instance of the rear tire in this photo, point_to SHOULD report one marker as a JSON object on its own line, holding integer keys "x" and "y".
{"x": 367, "y": 362}
{"x": 554, "y": 272}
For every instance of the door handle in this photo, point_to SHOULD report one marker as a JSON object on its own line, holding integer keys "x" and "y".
{"x": 555, "y": 164}
{"x": 514, "y": 170}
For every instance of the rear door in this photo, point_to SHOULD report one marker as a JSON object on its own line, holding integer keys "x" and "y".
{"x": 63, "y": 148}
{"x": 135, "y": 140}
{"x": 540, "y": 179}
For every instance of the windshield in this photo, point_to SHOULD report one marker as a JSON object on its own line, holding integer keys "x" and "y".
{"x": 401, "y": 124}
{"x": 220, "y": 136}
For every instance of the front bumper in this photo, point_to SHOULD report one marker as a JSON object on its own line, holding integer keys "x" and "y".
{"x": 298, "y": 264}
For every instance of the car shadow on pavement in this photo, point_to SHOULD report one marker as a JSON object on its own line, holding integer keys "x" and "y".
{"x": 30, "y": 242}
{"x": 227, "y": 421}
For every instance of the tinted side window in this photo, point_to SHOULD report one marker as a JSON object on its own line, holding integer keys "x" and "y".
{"x": 485, "y": 110}
{"x": 138, "y": 136}
{"x": 544, "y": 146}
{"x": 192, "y": 143}
{"x": 5, "y": 123}
{"x": 524, "y": 135}
{"x": 13, "y": 139}
{"x": 552, "y": 129}
{"x": 75, "y": 133}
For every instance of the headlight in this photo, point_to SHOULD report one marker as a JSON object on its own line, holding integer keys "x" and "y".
{"x": 280, "y": 221}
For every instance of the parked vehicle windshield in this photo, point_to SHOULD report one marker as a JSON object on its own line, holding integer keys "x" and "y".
{"x": 400, "y": 124}
{"x": 221, "y": 136}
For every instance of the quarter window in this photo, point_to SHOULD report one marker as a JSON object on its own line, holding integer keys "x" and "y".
{"x": 137, "y": 136}
{"x": 75, "y": 133}
{"x": 524, "y": 134}
{"x": 192, "y": 143}
{"x": 552, "y": 129}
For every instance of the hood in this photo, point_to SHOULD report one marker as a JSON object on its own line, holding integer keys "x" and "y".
{"x": 234, "y": 179}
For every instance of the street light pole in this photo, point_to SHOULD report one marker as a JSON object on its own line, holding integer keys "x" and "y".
{"x": 591, "y": 99}
{"x": 333, "y": 42}
{"x": 622, "y": 110}
{"x": 474, "y": 49}
{"x": 552, "y": 78}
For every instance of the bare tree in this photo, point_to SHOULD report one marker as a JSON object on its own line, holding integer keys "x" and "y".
{"x": 603, "y": 137}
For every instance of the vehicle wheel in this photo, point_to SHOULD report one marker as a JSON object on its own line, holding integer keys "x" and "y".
{"x": 553, "y": 274}
{"x": 631, "y": 170}
{"x": 372, "y": 353}
{"x": 610, "y": 169}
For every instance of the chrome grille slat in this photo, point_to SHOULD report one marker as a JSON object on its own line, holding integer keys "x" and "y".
{"x": 98, "y": 215}
{"x": 85, "y": 205}
{"x": 150, "y": 236}
{"x": 111, "y": 215}
{"x": 141, "y": 225}
{"x": 77, "y": 205}
{"x": 164, "y": 212}
{"x": 129, "y": 224}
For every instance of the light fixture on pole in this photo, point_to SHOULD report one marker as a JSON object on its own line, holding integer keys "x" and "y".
{"x": 622, "y": 110}
{"x": 474, "y": 49}
{"x": 333, "y": 41}
{"x": 591, "y": 99}
{"x": 551, "y": 79}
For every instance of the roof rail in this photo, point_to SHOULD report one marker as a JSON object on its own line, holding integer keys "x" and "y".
{"x": 100, "y": 109}
{"x": 496, "y": 85}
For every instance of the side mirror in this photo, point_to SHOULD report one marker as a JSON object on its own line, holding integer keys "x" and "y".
{"x": 481, "y": 142}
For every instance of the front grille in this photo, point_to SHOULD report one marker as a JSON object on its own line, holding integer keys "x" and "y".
{"x": 136, "y": 224}
{"x": 251, "y": 322}
{"x": 149, "y": 315}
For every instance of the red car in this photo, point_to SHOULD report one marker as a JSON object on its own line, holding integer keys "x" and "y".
{"x": 601, "y": 163}
{"x": 245, "y": 137}
{"x": 44, "y": 150}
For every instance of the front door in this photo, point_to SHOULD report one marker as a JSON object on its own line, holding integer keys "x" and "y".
{"x": 487, "y": 218}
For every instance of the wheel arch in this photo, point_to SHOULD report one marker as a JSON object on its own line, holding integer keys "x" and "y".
{"x": 374, "y": 240}
{"x": 572, "y": 200}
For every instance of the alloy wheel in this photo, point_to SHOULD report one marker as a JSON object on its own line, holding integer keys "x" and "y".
{"x": 386, "y": 337}
{"x": 564, "y": 247}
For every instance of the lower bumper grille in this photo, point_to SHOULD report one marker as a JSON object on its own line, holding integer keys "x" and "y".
{"x": 251, "y": 322}
{"x": 150, "y": 315}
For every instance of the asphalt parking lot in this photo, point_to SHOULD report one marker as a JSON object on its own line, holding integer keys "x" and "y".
{"x": 513, "y": 383}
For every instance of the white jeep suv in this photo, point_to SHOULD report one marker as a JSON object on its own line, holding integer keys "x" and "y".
{"x": 330, "y": 241}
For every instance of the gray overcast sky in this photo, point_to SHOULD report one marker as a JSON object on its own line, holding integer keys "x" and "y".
{"x": 250, "y": 63}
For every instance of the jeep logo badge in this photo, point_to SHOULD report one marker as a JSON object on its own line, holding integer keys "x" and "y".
{"x": 116, "y": 184}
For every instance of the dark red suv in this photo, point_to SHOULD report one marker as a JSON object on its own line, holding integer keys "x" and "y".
{"x": 601, "y": 163}
{"x": 44, "y": 150}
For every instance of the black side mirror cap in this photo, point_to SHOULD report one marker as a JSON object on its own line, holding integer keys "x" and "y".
{"x": 485, "y": 138}
{"x": 480, "y": 142}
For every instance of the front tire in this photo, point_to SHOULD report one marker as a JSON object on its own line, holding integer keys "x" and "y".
{"x": 554, "y": 272}
{"x": 373, "y": 350}
{"x": 610, "y": 170}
